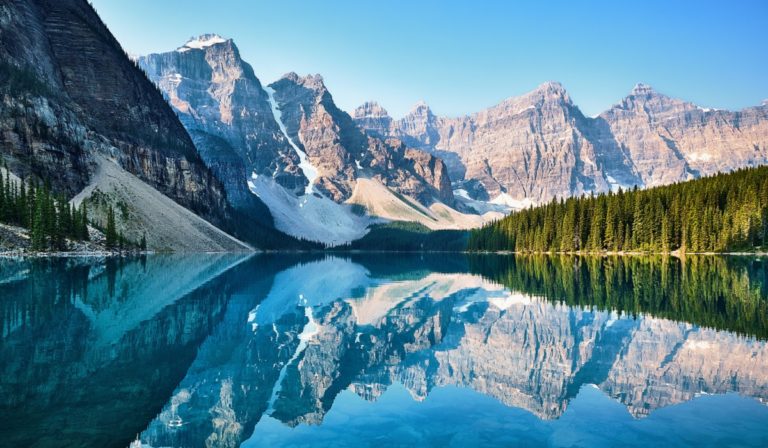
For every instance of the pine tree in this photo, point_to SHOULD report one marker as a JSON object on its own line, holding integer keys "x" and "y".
{"x": 111, "y": 231}
{"x": 596, "y": 228}
{"x": 38, "y": 227}
{"x": 665, "y": 238}
{"x": 84, "y": 235}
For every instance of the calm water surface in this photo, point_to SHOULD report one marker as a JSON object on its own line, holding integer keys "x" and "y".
{"x": 374, "y": 350}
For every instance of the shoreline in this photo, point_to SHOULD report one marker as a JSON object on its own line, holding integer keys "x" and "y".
{"x": 116, "y": 254}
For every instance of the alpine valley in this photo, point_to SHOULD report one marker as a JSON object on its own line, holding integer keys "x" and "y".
{"x": 196, "y": 153}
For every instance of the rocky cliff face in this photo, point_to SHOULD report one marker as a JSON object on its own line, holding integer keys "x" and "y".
{"x": 538, "y": 146}
{"x": 217, "y": 94}
{"x": 670, "y": 140}
{"x": 529, "y": 147}
{"x": 218, "y": 97}
{"x": 342, "y": 152}
{"x": 71, "y": 91}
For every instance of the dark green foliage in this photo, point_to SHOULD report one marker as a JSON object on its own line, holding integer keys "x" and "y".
{"x": 726, "y": 212}
{"x": 111, "y": 230}
{"x": 409, "y": 237}
{"x": 15, "y": 80}
{"x": 726, "y": 293}
{"x": 49, "y": 218}
{"x": 264, "y": 236}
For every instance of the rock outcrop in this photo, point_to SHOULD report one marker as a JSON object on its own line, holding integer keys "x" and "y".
{"x": 670, "y": 140}
{"x": 218, "y": 96}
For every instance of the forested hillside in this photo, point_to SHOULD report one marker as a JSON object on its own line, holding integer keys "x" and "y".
{"x": 726, "y": 212}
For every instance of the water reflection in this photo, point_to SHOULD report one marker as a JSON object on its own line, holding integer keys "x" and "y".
{"x": 221, "y": 350}
{"x": 92, "y": 348}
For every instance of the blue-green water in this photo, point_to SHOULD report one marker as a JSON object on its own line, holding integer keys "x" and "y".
{"x": 377, "y": 350}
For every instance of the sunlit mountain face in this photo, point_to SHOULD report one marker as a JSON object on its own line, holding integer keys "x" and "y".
{"x": 437, "y": 350}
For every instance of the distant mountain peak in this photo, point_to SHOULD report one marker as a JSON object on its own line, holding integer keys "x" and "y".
{"x": 421, "y": 108}
{"x": 642, "y": 89}
{"x": 546, "y": 92}
{"x": 551, "y": 86}
{"x": 370, "y": 109}
{"x": 314, "y": 82}
{"x": 202, "y": 41}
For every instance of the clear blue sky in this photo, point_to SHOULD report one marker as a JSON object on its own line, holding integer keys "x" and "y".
{"x": 462, "y": 56}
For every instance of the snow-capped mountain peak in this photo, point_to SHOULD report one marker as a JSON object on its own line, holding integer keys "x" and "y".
{"x": 642, "y": 89}
{"x": 202, "y": 41}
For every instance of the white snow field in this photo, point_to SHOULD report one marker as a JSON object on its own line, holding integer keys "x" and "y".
{"x": 509, "y": 201}
{"x": 311, "y": 216}
{"x": 317, "y": 218}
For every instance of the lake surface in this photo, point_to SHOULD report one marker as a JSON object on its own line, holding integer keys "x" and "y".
{"x": 381, "y": 350}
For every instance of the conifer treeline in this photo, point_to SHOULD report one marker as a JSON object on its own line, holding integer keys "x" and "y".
{"x": 49, "y": 218}
{"x": 726, "y": 212}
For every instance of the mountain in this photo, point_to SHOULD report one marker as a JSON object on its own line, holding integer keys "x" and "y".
{"x": 225, "y": 108}
{"x": 321, "y": 176}
{"x": 670, "y": 140}
{"x": 78, "y": 114}
{"x": 342, "y": 152}
{"x": 538, "y": 146}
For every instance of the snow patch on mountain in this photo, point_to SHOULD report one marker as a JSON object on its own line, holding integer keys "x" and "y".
{"x": 516, "y": 204}
{"x": 310, "y": 172}
{"x": 486, "y": 209}
{"x": 202, "y": 41}
{"x": 616, "y": 185}
{"x": 312, "y": 216}
{"x": 700, "y": 157}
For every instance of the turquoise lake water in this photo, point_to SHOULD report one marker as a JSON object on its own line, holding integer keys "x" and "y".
{"x": 380, "y": 350}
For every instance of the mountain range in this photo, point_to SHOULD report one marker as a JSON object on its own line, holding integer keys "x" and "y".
{"x": 321, "y": 175}
{"x": 538, "y": 146}
{"x": 189, "y": 144}
{"x": 442, "y": 172}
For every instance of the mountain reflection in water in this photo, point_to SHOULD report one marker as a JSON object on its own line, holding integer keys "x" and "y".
{"x": 223, "y": 350}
